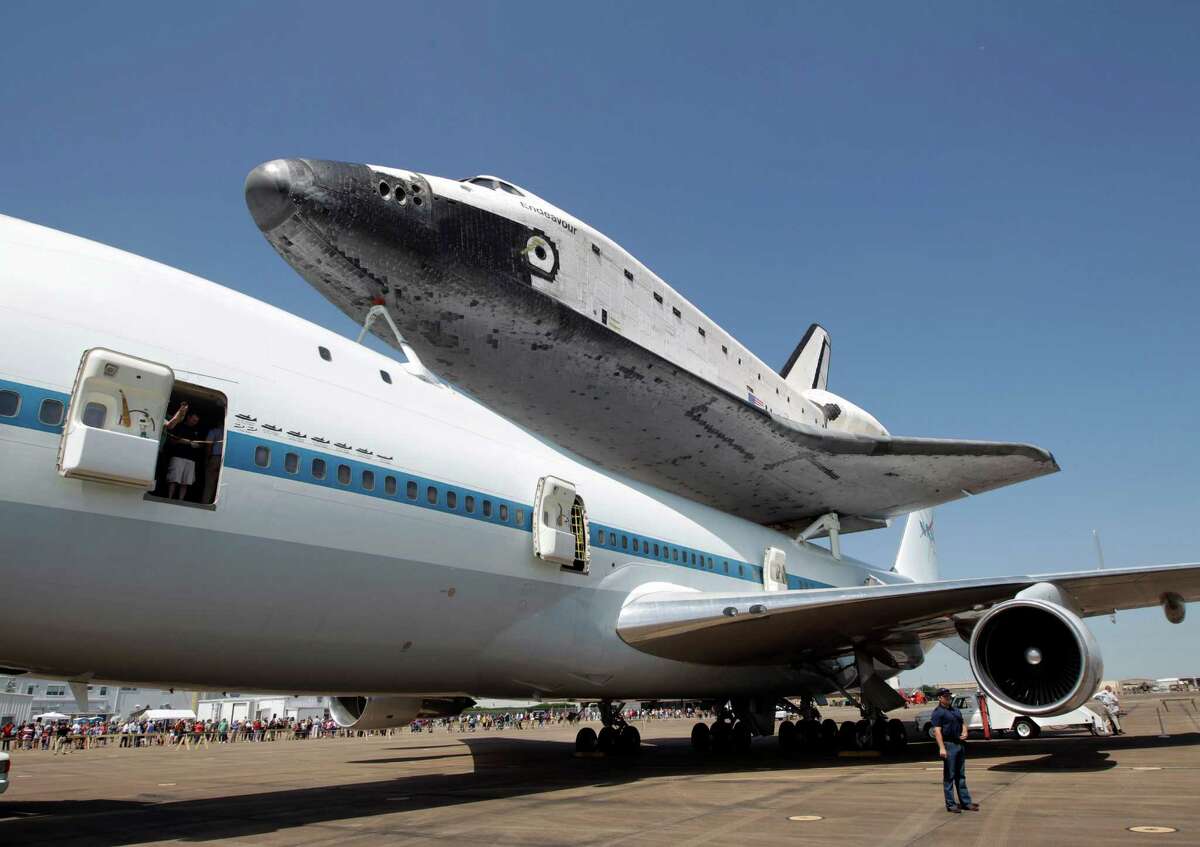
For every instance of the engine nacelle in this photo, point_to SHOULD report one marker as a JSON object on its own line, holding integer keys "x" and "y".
{"x": 1035, "y": 658}
{"x": 387, "y": 712}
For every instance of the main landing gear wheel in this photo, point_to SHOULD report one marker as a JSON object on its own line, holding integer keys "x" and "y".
{"x": 789, "y": 737}
{"x": 701, "y": 738}
{"x": 897, "y": 735}
{"x": 879, "y": 734}
{"x": 829, "y": 735}
{"x": 846, "y": 736}
{"x": 628, "y": 742}
{"x": 605, "y": 740}
{"x": 740, "y": 737}
{"x": 864, "y": 735}
{"x": 585, "y": 740}
{"x": 720, "y": 732}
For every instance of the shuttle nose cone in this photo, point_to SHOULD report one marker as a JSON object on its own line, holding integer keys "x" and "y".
{"x": 270, "y": 189}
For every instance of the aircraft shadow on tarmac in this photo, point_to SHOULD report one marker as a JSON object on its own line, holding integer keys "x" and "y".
{"x": 502, "y": 767}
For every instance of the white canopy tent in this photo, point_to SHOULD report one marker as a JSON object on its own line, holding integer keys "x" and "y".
{"x": 167, "y": 715}
{"x": 51, "y": 716}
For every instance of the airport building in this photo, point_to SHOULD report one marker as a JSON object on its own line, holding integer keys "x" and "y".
{"x": 24, "y": 697}
{"x": 264, "y": 707}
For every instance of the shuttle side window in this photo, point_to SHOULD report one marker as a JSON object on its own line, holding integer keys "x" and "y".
{"x": 10, "y": 404}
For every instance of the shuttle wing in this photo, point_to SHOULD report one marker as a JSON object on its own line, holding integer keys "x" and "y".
{"x": 771, "y": 628}
{"x": 873, "y": 478}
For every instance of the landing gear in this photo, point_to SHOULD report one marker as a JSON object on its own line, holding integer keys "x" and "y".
{"x": 585, "y": 740}
{"x": 616, "y": 737}
{"x": 701, "y": 738}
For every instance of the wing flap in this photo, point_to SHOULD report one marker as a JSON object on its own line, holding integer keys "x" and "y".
{"x": 783, "y": 627}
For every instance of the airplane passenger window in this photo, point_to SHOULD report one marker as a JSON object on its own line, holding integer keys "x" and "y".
{"x": 318, "y": 468}
{"x": 693, "y": 558}
{"x": 656, "y": 550}
{"x": 10, "y": 404}
{"x": 291, "y": 462}
{"x": 599, "y": 536}
{"x": 451, "y": 499}
{"x": 635, "y": 545}
{"x": 624, "y": 542}
{"x": 469, "y": 502}
{"x": 504, "y": 513}
{"x": 612, "y": 539}
{"x": 675, "y": 553}
{"x": 389, "y": 486}
{"x": 727, "y": 567}
{"x": 741, "y": 570}
{"x": 94, "y": 414}
{"x": 487, "y": 508}
{"x": 431, "y": 494}
{"x": 344, "y": 474}
{"x": 51, "y": 412}
{"x": 519, "y": 517}
{"x": 262, "y": 456}
{"x": 368, "y": 480}
{"x": 411, "y": 490}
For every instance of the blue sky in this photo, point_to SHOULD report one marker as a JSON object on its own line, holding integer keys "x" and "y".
{"x": 992, "y": 208}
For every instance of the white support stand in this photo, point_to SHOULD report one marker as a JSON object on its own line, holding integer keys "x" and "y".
{"x": 413, "y": 365}
{"x": 826, "y": 523}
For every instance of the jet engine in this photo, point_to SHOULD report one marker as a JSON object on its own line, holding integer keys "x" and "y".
{"x": 387, "y": 712}
{"x": 1035, "y": 657}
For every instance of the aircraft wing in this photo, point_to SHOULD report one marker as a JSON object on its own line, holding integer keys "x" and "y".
{"x": 770, "y": 628}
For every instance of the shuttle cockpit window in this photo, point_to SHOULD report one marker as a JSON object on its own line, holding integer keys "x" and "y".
{"x": 492, "y": 183}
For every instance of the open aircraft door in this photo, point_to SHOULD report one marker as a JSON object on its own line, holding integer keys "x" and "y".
{"x": 115, "y": 418}
{"x": 774, "y": 570}
{"x": 560, "y": 528}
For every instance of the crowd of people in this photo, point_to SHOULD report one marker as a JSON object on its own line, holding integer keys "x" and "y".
{"x": 63, "y": 736}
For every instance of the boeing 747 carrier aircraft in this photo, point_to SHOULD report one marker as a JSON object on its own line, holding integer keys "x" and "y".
{"x": 322, "y": 518}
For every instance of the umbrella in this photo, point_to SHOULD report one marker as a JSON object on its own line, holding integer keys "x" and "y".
{"x": 51, "y": 716}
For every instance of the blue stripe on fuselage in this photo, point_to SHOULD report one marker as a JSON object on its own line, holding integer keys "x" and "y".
{"x": 240, "y": 453}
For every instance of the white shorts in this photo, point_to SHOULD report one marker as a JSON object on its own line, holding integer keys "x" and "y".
{"x": 182, "y": 471}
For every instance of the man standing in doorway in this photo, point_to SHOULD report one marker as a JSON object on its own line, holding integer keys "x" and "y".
{"x": 950, "y": 733}
{"x": 185, "y": 449}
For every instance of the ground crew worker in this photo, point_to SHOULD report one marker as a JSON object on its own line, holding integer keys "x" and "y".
{"x": 1112, "y": 706}
{"x": 951, "y": 732}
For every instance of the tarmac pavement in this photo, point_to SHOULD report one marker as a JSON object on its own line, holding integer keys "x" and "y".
{"x": 527, "y": 788}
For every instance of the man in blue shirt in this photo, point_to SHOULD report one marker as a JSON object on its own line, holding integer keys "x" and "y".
{"x": 950, "y": 732}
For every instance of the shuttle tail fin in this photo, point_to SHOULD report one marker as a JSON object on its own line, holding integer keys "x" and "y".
{"x": 808, "y": 366}
{"x": 917, "y": 556}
